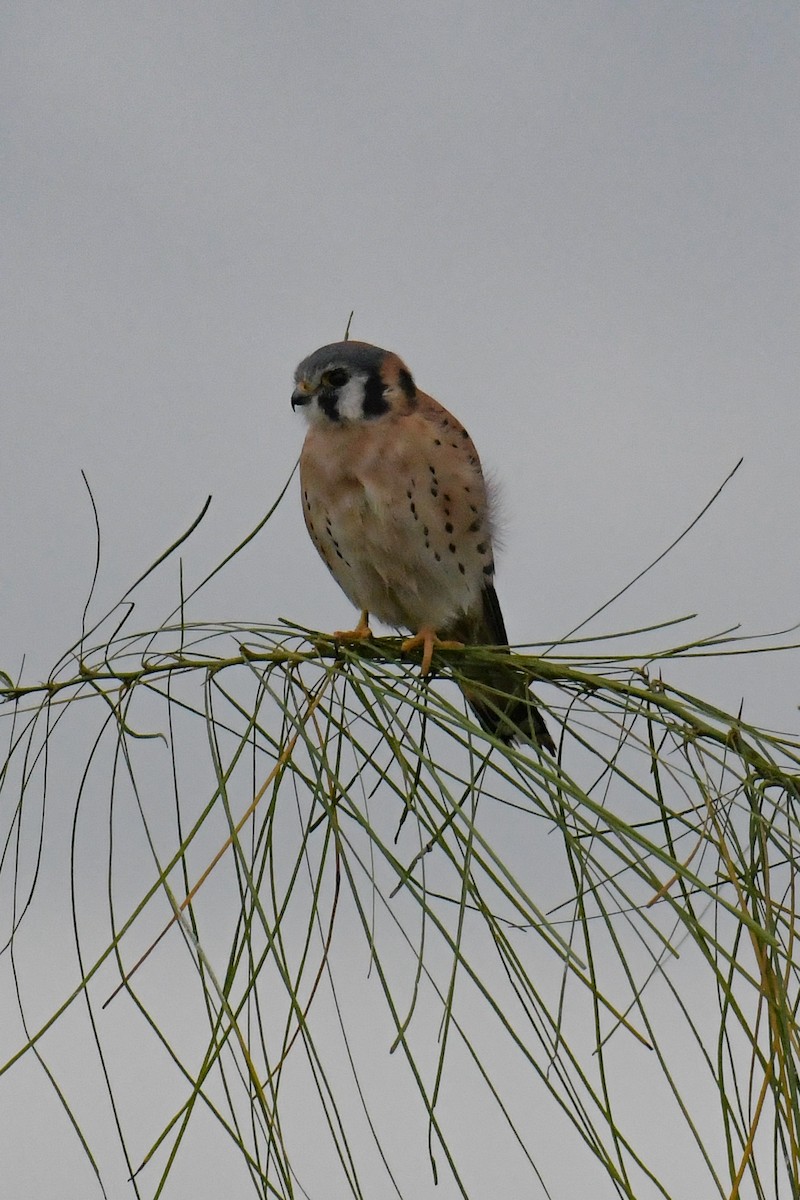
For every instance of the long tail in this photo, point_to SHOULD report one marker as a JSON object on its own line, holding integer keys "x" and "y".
{"x": 506, "y": 716}
{"x": 498, "y": 694}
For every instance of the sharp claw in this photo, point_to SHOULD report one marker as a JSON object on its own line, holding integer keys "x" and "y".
{"x": 429, "y": 641}
{"x": 361, "y": 631}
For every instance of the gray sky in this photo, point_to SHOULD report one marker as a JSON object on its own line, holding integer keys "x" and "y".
{"x": 577, "y": 222}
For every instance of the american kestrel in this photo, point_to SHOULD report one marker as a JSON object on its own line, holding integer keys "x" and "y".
{"x": 396, "y": 504}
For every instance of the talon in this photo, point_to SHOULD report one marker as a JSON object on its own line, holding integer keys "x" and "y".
{"x": 361, "y": 631}
{"x": 429, "y": 641}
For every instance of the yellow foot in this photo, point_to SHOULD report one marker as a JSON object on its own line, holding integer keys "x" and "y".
{"x": 429, "y": 641}
{"x": 361, "y": 631}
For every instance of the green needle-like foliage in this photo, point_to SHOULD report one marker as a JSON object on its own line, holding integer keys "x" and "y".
{"x": 352, "y": 934}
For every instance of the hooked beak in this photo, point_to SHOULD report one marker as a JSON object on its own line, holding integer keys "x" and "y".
{"x": 301, "y": 395}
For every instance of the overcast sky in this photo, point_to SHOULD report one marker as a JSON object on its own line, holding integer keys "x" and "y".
{"x": 577, "y": 222}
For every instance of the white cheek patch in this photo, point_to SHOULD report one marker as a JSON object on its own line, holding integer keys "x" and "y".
{"x": 351, "y": 399}
{"x": 349, "y": 403}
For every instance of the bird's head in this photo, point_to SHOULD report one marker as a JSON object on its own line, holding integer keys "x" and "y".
{"x": 350, "y": 382}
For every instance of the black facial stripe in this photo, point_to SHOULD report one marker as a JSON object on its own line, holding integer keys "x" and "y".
{"x": 407, "y": 383}
{"x": 375, "y": 403}
{"x": 329, "y": 403}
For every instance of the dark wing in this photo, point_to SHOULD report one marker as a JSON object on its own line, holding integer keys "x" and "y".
{"x": 483, "y": 625}
{"x": 497, "y": 693}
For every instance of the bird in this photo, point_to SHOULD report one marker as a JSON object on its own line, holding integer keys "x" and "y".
{"x": 397, "y": 506}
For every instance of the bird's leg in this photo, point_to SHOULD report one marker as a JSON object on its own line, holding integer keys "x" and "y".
{"x": 361, "y": 631}
{"x": 429, "y": 641}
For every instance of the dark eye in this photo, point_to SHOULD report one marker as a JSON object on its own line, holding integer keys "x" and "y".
{"x": 337, "y": 378}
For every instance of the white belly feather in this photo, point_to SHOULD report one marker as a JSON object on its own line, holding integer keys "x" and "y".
{"x": 398, "y": 531}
